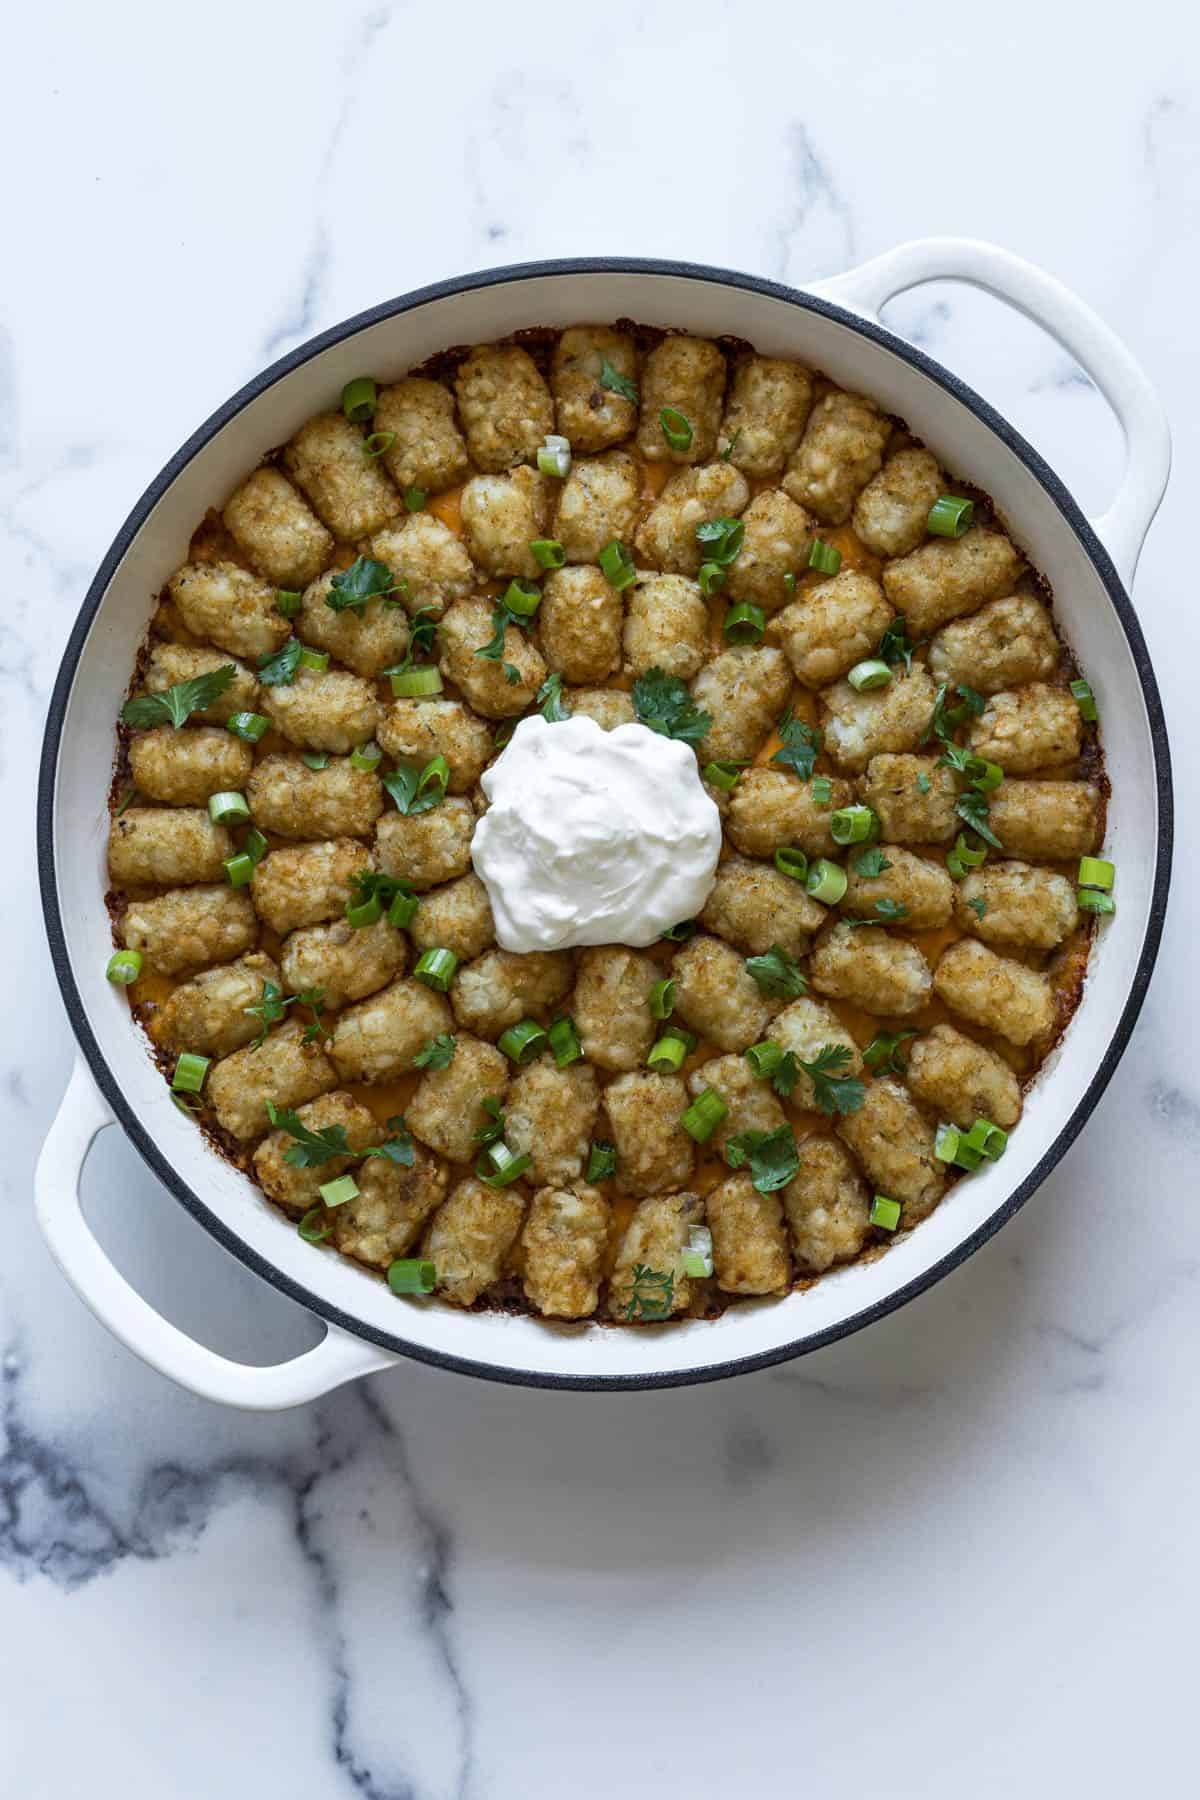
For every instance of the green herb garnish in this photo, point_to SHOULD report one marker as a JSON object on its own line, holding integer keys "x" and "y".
{"x": 772, "y": 1157}
{"x": 776, "y": 972}
{"x": 436, "y": 1053}
{"x": 278, "y": 668}
{"x": 663, "y": 703}
{"x": 550, "y": 700}
{"x": 616, "y": 383}
{"x": 173, "y": 705}
{"x": 800, "y": 748}
{"x": 364, "y": 580}
{"x": 651, "y": 1293}
{"x": 833, "y": 1093}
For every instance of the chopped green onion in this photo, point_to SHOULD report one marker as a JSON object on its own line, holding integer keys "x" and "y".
{"x": 415, "y": 498}
{"x": 364, "y": 912}
{"x": 704, "y": 1115}
{"x": 366, "y": 757}
{"x": 379, "y": 443}
{"x": 554, "y": 457}
{"x": 793, "y": 862}
{"x": 950, "y": 515}
{"x": 1085, "y": 700}
{"x": 882, "y": 1051}
{"x": 359, "y": 398}
{"x": 885, "y": 1213}
{"x": 228, "y": 809}
{"x": 662, "y": 999}
{"x": 548, "y": 553}
{"x": 984, "y": 776}
{"x": 436, "y": 969}
{"x": 521, "y": 1043}
{"x": 764, "y": 1058}
{"x": 721, "y": 538}
{"x": 411, "y": 1275}
{"x": 679, "y": 934}
{"x": 499, "y": 1167}
{"x": 822, "y": 790}
{"x": 124, "y": 967}
{"x": 744, "y": 624}
{"x": 616, "y": 565}
{"x": 1094, "y": 872}
{"x": 189, "y": 1074}
{"x": 865, "y": 677}
{"x": 675, "y": 428}
{"x": 669, "y": 1052}
{"x": 403, "y": 911}
{"x": 712, "y": 579}
{"x": 315, "y": 1226}
{"x": 239, "y": 868}
{"x": 602, "y": 1162}
{"x": 723, "y": 775}
{"x": 987, "y": 1139}
{"x": 435, "y": 778}
{"x": 287, "y": 602}
{"x": 522, "y": 598}
{"x": 824, "y": 557}
{"x": 416, "y": 684}
{"x": 503, "y": 733}
{"x": 255, "y": 845}
{"x": 249, "y": 726}
{"x": 1090, "y": 900}
{"x": 336, "y": 1193}
{"x": 950, "y": 1146}
{"x": 315, "y": 760}
{"x": 698, "y": 1257}
{"x": 854, "y": 825}
{"x": 564, "y": 1043}
{"x": 827, "y": 882}
{"x": 972, "y": 858}
{"x": 314, "y": 659}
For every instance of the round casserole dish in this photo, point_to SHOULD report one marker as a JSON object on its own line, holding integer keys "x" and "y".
{"x": 835, "y": 329}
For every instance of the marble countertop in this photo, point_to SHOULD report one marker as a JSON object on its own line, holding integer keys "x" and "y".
{"x": 949, "y": 1554}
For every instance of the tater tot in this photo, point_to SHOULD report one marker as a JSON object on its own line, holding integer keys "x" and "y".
{"x": 1028, "y": 728}
{"x": 751, "y": 1103}
{"x": 418, "y": 730}
{"x": 778, "y": 534}
{"x": 208, "y": 1014}
{"x": 754, "y": 906}
{"x": 347, "y": 488}
{"x": 609, "y": 707}
{"x": 430, "y": 566}
{"x": 884, "y": 975}
{"x": 367, "y": 641}
{"x": 425, "y": 849}
{"x": 1049, "y": 821}
{"x": 301, "y": 884}
{"x": 950, "y": 576}
{"x": 743, "y": 691}
{"x": 654, "y": 1152}
{"x": 456, "y": 917}
{"x": 550, "y": 1114}
{"x": 579, "y": 624}
{"x": 995, "y": 992}
{"x": 447, "y": 1109}
{"x": 230, "y": 607}
{"x": 666, "y": 626}
{"x": 378, "y": 1038}
{"x": 688, "y": 375}
{"x": 611, "y": 1007}
{"x": 429, "y": 451}
{"x": 716, "y": 997}
{"x": 832, "y": 626}
{"x": 600, "y": 500}
{"x": 466, "y": 629}
{"x": 891, "y": 515}
{"x": 185, "y": 767}
{"x": 190, "y": 928}
{"x": 501, "y": 987}
{"x": 921, "y": 887}
{"x": 840, "y": 451}
{"x": 564, "y": 1239}
{"x": 172, "y": 663}
{"x": 656, "y": 1238}
{"x": 470, "y": 1236}
{"x": 860, "y": 726}
{"x": 501, "y": 516}
{"x": 167, "y": 846}
{"x": 768, "y": 407}
{"x": 299, "y": 1189}
{"x": 894, "y": 1143}
{"x": 385, "y": 1218}
{"x": 504, "y": 404}
{"x": 281, "y": 538}
{"x": 961, "y": 1081}
{"x": 750, "y": 1253}
{"x": 590, "y": 415}
{"x": 1004, "y": 644}
{"x": 914, "y": 798}
{"x": 293, "y": 801}
{"x": 346, "y": 962}
{"x": 1014, "y": 904}
{"x": 666, "y": 538}
{"x": 284, "y": 1070}
{"x": 327, "y": 710}
{"x": 827, "y": 1206}
{"x": 771, "y": 810}
{"x": 805, "y": 1027}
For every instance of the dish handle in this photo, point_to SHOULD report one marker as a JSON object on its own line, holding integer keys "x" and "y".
{"x": 339, "y": 1357}
{"x": 1097, "y": 350}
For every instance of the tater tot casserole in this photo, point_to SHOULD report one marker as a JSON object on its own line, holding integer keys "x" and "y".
{"x": 621, "y": 525}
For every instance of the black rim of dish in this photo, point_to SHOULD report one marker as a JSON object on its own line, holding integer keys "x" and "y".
{"x": 441, "y": 290}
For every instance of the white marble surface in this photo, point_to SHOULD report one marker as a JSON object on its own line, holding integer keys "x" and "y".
{"x": 954, "y": 1554}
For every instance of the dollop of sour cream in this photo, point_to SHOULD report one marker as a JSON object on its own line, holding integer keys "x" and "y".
{"x": 593, "y": 837}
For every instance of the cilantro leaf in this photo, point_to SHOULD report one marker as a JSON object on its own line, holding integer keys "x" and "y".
{"x": 800, "y": 747}
{"x": 502, "y": 617}
{"x": 314, "y": 999}
{"x": 269, "y": 1008}
{"x": 978, "y": 907}
{"x": 173, "y": 705}
{"x": 973, "y": 809}
{"x": 422, "y": 632}
{"x": 312, "y": 1148}
{"x": 833, "y": 1093}
{"x": 923, "y": 782}
{"x": 870, "y": 862}
{"x": 663, "y": 703}
{"x": 679, "y": 934}
{"x": 945, "y": 719}
{"x": 364, "y": 580}
{"x": 891, "y": 911}
{"x": 651, "y": 1293}
{"x": 776, "y": 972}
{"x": 278, "y": 668}
{"x": 896, "y": 646}
{"x": 495, "y": 1127}
{"x": 436, "y": 1053}
{"x": 549, "y": 698}
{"x": 786, "y": 1075}
{"x": 772, "y": 1157}
{"x": 367, "y": 883}
{"x": 616, "y": 383}
{"x": 397, "y": 1148}
{"x": 731, "y": 446}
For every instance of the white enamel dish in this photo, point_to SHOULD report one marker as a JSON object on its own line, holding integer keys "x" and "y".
{"x": 834, "y": 328}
